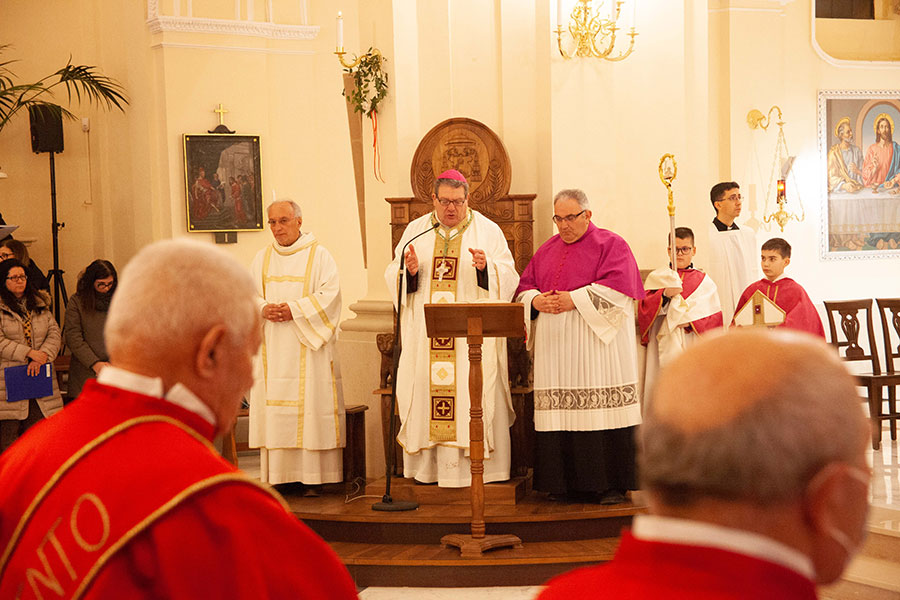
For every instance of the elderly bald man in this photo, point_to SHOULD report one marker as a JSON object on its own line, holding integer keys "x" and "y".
{"x": 121, "y": 494}
{"x": 753, "y": 460}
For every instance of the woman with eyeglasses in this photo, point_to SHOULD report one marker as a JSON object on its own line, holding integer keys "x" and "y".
{"x": 29, "y": 336}
{"x": 10, "y": 248}
{"x": 85, "y": 319}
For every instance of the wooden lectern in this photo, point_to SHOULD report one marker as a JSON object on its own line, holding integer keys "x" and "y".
{"x": 475, "y": 322}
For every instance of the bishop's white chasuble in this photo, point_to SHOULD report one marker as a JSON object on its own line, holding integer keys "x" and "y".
{"x": 296, "y": 404}
{"x": 432, "y": 383}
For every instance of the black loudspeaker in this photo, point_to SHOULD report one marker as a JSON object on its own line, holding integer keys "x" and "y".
{"x": 46, "y": 129}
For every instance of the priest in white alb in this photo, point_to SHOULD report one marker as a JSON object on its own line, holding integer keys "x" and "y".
{"x": 462, "y": 257}
{"x": 579, "y": 291}
{"x": 296, "y": 404}
{"x": 732, "y": 250}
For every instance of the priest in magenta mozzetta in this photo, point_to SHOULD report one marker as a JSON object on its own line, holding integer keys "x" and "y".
{"x": 579, "y": 291}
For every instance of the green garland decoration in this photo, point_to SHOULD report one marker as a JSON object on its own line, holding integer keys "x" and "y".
{"x": 371, "y": 83}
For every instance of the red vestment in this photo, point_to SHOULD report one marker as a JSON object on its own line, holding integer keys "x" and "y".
{"x": 201, "y": 528}
{"x": 799, "y": 312}
{"x": 666, "y": 571}
{"x": 650, "y": 305}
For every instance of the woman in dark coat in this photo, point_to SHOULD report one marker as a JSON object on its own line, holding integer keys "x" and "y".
{"x": 85, "y": 319}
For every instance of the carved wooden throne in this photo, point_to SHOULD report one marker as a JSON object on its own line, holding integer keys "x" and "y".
{"x": 474, "y": 150}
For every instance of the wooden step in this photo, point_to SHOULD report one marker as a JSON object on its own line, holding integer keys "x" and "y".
{"x": 504, "y": 492}
{"x": 430, "y": 565}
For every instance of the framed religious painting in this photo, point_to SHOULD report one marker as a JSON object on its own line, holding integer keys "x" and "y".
{"x": 860, "y": 173}
{"x": 223, "y": 185}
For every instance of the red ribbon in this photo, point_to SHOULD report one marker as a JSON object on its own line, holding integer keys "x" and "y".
{"x": 376, "y": 159}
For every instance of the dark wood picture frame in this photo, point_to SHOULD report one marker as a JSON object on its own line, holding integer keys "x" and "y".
{"x": 223, "y": 183}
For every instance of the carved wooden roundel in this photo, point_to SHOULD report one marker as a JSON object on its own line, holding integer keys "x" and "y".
{"x": 469, "y": 147}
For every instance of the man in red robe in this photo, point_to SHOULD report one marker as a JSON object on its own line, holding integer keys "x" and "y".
{"x": 122, "y": 495}
{"x": 749, "y": 498}
{"x": 787, "y": 294}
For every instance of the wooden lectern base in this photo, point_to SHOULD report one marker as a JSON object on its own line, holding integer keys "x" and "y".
{"x": 471, "y": 547}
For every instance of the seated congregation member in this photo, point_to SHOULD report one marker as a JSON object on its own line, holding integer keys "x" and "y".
{"x": 85, "y": 318}
{"x": 461, "y": 256}
{"x": 10, "y": 248}
{"x": 579, "y": 291}
{"x": 29, "y": 336}
{"x": 149, "y": 509}
{"x": 679, "y": 306}
{"x": 763, "y": 496}
{"x": 791, "y": 298}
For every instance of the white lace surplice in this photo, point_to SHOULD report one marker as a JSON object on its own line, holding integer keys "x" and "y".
{"x": 592, "y": 383}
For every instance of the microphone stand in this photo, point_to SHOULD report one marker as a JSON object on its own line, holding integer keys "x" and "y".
{"x": 387, "y": 503}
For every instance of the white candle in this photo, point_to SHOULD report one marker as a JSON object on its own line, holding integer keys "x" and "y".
{"x": 633, "y": 5}
{"x": 274, "y": 197}
{"x": 559, "y": 13}
{"x": 340, "y": 32}
{"x": 612, "y": 10}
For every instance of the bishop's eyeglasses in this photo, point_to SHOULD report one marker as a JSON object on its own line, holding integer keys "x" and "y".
{"x": 568, "y": 218}
{"x": 456, "y": 203}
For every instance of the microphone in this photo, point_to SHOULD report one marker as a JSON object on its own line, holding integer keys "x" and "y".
{"x": 387, "y": 502}
{"x": 403, "y": 252}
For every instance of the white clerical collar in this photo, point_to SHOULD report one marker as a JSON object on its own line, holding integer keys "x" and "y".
{"x": 178, "y": 394}
{"x": 655, "y": 528}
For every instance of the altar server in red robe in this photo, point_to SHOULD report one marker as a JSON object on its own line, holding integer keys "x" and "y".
{"x": 122, "y": 495}
{"x": 760, "y": 496}
{"x": 678, "y": 308}
{"x": 799, "y": 312}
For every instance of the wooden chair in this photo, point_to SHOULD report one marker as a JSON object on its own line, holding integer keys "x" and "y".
{"x": 889, "y": 312}
{"x": 847, "y": 314}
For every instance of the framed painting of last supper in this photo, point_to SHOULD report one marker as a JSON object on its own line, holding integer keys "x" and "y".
{"x": 860, "y": 153}
{"x": 223, "y": 187}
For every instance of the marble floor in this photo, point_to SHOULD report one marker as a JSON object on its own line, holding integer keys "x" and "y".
{"x": 884, "y": 496}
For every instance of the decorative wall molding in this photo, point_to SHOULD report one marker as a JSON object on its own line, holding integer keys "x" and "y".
{"x": 218, "y": 48}
{"x": 839, "y": 62}
{"x": 162, "y": 23}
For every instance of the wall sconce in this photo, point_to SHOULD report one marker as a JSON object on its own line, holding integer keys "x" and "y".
{"x": 339, "y": 50}
{"x": 593, "y": 31}
{"x": 781, "y": 168}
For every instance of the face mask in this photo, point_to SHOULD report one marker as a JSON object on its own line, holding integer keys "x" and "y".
{"x": 849, "y": 547}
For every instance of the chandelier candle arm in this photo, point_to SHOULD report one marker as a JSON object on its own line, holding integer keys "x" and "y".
{"x": 592, "y": 31}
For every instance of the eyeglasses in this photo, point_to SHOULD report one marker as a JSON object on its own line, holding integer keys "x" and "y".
{"x": 456, "y": 203}
{"x": 102, "y": 285}
{"x": 683, "y": 249}
{"x": 568, "y": 218}
{"x": 17, "y": 278}
{"x": 732, "y": 198}
{"x": 284, "y": 221}
{"x": 6, "y": 255}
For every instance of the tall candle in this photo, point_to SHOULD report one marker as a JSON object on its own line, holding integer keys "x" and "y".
{"x": 340, "y": 32}
{"x": 633, "y": 5}
{"x": 559, "y": 13}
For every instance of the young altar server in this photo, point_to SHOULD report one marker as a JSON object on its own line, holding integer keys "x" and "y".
{"x": 787, "y": 294}
{"x": 678, "y": 307}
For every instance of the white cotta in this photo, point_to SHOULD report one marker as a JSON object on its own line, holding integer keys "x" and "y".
{"x": 296, "y": 404}
{"x": 668, "y": 337}
{"x": 447, "y": 462}
{"x": 585, "y": 362}
{"x": 733, "y": 265}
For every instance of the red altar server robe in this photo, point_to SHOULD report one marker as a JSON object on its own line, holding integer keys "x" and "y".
{"x": 666, "y": 571}
{"x": 649, "y": 307}
{"x": 121, "y": 495}
{"x": 799, "y": 312}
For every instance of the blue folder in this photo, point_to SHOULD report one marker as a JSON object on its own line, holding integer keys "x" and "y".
{"x": 22, "y": 386}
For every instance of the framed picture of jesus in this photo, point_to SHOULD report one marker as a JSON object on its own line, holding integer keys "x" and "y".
{"x": 223, "y": 185}
{"x": 860, "y": 167}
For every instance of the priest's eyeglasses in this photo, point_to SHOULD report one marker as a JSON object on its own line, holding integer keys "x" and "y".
{"x": 456, "y": 203}
{"x": 568, "y": 218}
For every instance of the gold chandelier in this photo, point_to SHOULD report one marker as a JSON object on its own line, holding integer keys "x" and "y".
{"x": 592, "y": 31}
{"x": 781, "y": 168}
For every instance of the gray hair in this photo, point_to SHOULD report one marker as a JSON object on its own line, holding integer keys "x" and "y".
{"x": 574, "y": 194}
{"x": 454, "y": 183}
{"x": 803, "y": 420}
{"x": 296, "y": 207}
{"x": 175, "y": 288}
